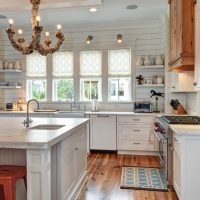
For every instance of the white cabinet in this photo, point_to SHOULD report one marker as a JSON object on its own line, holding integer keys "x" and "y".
{"x": 182, "y": 81}
{"x": 136, "y": 133}
{"x": 177, "y": 164}
{"x": 71, "y": 164}
{"x": 186, "y": 165}
{"x": 197, "y": 45}
{"x": 103, "y": 134}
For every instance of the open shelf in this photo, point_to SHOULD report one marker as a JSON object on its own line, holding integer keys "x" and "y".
{"x": 150, "y": 85}
{"x": 150, "y": 67}
{"x": 10, "y": 70}
{"x": 10, "y": 87}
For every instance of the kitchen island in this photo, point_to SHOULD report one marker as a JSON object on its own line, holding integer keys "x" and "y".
{"x": 54, "y": 150}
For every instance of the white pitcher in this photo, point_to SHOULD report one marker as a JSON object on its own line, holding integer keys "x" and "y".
{"x": 159, "y": 60}
{"x": 147, "y": 60}
{"x": 140, "y": 61}
{"x": 17, "y": 65}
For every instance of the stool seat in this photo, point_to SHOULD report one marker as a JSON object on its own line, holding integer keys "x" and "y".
{"x": 9, "y": 175}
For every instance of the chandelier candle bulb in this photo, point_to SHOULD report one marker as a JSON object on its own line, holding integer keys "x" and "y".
{"x": 47, "y": 34}
{"x": 59, "y": 27}
{"x": 20, "y": 32}
{"x": 11, "y": 22}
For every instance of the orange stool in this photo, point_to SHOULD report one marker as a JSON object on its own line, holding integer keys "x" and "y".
{"x": 9, "y": 175}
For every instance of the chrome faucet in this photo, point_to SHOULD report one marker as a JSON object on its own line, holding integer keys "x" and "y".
{"x": 28, "y": 120}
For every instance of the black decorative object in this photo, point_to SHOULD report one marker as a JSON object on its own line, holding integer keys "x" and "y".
{"x": 140, "y": 78}
{"x": 156, "y": 94}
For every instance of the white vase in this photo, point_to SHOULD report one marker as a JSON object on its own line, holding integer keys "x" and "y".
{"x": 5, "y": 65}
{"x": 17, "y": 65}
{"x": 1, "y": 64}
{"x": 159, "y": 60}
{"x": 140, "y": 61}
{"x": 147, "y": 60}
{"x": 10, "y": 65}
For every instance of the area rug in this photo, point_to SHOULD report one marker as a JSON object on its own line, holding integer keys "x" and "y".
{"x": 141, "y": 178}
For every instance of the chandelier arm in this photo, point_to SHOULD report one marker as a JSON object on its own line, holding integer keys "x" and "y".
{"x": 18, "y": 46}
{"x": 45, "y": 49}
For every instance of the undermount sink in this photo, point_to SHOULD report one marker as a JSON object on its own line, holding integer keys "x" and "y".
{"x": 47, "y": 127}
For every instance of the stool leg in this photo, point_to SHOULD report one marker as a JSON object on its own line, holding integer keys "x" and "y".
{"x": 1, "y": 192}
{"x": 10, "y": 191}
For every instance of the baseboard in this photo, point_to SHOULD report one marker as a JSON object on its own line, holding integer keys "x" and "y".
{"x": 148, "y": 153}
{"x": 78, "y": 187}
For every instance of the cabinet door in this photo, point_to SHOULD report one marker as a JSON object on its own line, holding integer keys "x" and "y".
{"x": 81, "y": 153}
{"x": 174, "y": 81}
{"x": 66, "y": 167}
{"x": 197, "y": 45}
{"x": 103, "y": 134}
{"x": 177, "y": 166}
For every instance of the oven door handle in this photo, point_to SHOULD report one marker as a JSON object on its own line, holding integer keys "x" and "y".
{"x": 159, "y": 139}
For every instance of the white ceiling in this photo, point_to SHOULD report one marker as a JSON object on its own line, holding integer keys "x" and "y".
{"x": 71, "y": 12}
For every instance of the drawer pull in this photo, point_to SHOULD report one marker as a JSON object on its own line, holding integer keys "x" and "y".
{"x": 76, "y": 149}
{"x": 136, "y": 143}
{"x": 136, "y": 130}
{"x": 136, "y": 119}
{"x": 176, "y": 140}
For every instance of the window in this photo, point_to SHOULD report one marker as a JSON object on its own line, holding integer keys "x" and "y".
{"x": 119, "y": 70}
{"x": 36, "y": 77}
{"x": 90, "y": 89}
{"x": 63, "y": 71}
{"x": 90, "y": 72}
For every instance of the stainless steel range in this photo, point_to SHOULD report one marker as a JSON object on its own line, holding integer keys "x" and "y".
{"x": 165, "y": 139}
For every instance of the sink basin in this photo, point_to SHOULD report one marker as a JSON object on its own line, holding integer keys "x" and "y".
{"x": 47, "y": 127}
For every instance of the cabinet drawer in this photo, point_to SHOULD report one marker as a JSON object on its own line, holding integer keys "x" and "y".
{"x": 136, "y": 133}
{"x": 140, "y": 145}
{"x": 135, "y": 119}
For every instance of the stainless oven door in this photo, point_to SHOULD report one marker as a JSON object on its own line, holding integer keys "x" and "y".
{"x": 162, "y": 149}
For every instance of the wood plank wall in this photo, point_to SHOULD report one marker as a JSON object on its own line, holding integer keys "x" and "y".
{"x": 144, "y": 39}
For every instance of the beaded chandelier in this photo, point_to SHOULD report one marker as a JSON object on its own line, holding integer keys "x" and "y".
{"x": 43, "y": 48}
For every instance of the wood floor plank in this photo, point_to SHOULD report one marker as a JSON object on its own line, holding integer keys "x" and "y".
{"x": 104, "y": 177}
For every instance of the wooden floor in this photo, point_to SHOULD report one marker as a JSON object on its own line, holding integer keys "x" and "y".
{"x": 104, "y": 174}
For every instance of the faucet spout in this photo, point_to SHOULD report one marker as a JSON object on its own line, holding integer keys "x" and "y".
{"x": 28, "y": 121}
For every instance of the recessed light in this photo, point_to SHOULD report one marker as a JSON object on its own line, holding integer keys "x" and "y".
{"x": 132, "y": 7}
{"x": 93, "y": 9}
{"x": 3, "y": 17}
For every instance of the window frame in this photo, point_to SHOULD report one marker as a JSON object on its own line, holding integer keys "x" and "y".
{"x": 32, "y": 78}
{"x": 119, "y": 76}
{"x": 65, "y": 77}
{"x": 99, "y": 79}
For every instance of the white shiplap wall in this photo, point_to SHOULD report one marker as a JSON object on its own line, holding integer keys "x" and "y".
{"x": 145, "y": 38}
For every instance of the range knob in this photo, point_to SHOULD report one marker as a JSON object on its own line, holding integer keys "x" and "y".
{"x": 156, "y": 124}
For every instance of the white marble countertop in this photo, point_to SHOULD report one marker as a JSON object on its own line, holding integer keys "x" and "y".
{"x": 86, "y": 112}
{"x": 120, "y": 113}
{"x": 186, "y": 129}
{"x": 13, "y": 134}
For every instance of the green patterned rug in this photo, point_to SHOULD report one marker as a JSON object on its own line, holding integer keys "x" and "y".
{"x": 141, "y": 178}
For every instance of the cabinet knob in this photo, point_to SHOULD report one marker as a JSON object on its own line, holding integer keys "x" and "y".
{"x": 173, "y": 87}
{"x": 195, "y": 83}
{"x": 76, "y": 149}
